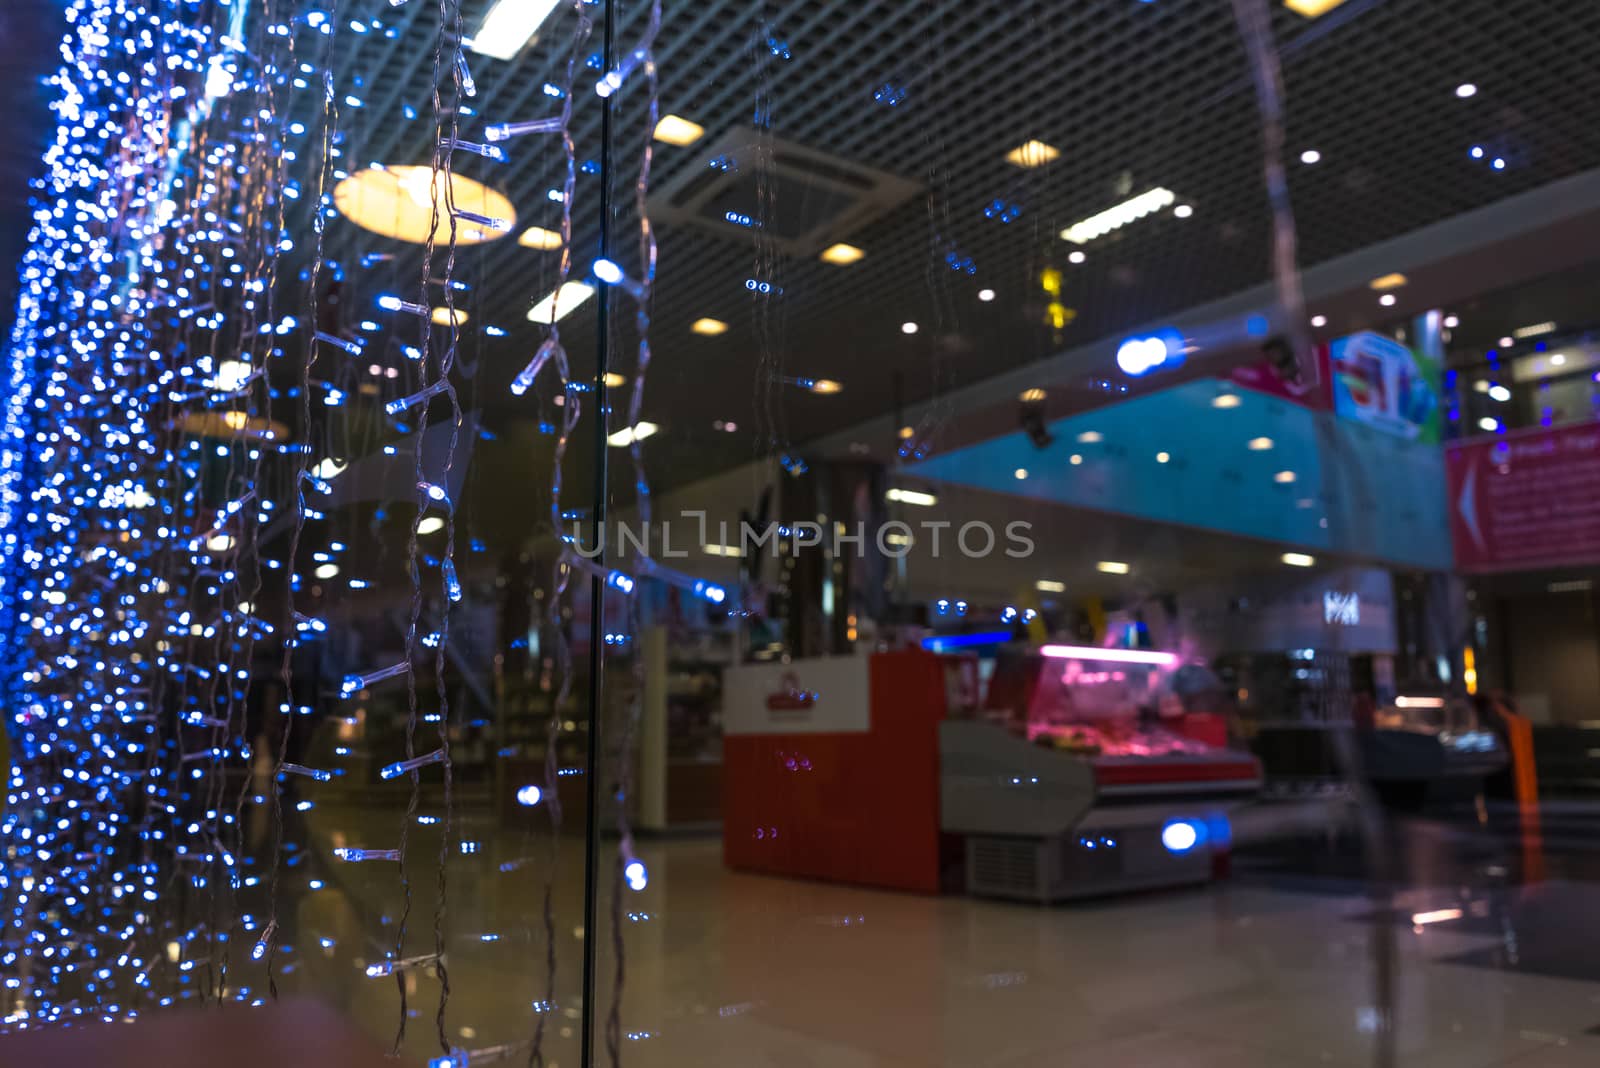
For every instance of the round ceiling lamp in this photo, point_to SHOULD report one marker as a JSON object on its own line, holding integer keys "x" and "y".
{"x": 398, "y": 202}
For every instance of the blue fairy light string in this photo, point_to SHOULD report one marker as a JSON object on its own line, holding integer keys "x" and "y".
{"x": 124, "y": 637}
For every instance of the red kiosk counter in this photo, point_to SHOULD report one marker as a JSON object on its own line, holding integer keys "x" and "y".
{"x": 1068, "y": 783}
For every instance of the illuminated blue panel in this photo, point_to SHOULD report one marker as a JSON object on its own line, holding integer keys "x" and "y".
{"x": 1324, "y": 483}
{"x": 949, "y": 642}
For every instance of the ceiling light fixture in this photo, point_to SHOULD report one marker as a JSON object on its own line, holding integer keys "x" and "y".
{"x": 540, "y": 238}
{"x": 621, "y": 439}
{"x": 1451, "y": 322}
{"x": 1319, "y": 321}
{"x": 1388, "y": 281}
{"x": 722, "y": 550}
{"x": 1089, "y": 437}
{"x": 560, "y": 304}
{"x": 1310, "y": 157}
{"x": 1075, "y": 459}
{"x": 709, "y": 327}
{"x": 1506, "y": 342}
{"x": 913, "y": 497}
{"x": 677, "y": 130}
{"x": 842, "y": 255}
{"x": 986, "y": 295}
{"x": 1050, "y": 586}
{"x": 1311, "y": 8}
{"x": 509, "y": 26}
{"x": 1466, "y": 90}
{"x": 1077, "y": 257}
{"x": 231, "y": 375}
{"x": 1260, "y": 444}
{"x": 1183, "y": 211}
{"x": 1118, "y": 216}
{"x": 1163, "y": 457}
{"x": 1388, "y": 300}
{"x": 1112, "y": 567}
{"x": 1536, "y": 330}
{"x": 1031, "y": 396}
{"x": 1284, "y": 478}
{"x": 1226, "y": 400}
{"x": 397, "y": 202}
{"x": 1298, "y": 559}
{"x": 1033, "y": 154}
{"x": 1020, "y": 474}
{"x": 908, "y": 328}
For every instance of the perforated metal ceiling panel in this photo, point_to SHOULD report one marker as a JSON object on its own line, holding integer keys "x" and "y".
{"x": 1133, "y": 94}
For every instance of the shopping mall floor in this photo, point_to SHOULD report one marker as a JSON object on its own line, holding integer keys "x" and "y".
{"x": 1274, "y": 967}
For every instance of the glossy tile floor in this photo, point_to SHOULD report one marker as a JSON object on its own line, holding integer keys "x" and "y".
{"x": 1273, "y": 968}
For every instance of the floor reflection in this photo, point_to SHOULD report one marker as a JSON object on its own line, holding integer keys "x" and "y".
{"x": 1271, "y": 968}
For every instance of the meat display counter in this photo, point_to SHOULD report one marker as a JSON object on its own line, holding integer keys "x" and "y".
{"x": 1087, "y": 771}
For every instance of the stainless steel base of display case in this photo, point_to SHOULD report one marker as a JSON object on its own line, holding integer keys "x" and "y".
{"x": 1050, "y": 870}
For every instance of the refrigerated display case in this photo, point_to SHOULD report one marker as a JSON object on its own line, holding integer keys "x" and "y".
{"x": 1429, "y": 748}
{"x": 1090, "y": 771}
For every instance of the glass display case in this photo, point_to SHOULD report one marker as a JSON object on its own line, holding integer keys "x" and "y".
{"x": 1109, "y": 702}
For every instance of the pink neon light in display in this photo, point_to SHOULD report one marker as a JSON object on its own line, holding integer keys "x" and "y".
{"x": 1119, "y": 656}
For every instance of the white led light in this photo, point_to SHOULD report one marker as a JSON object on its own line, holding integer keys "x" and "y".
{"x": 1179, "y": 836}
{"x": 912, "y": 497}
{"x": 1310, "y": 157}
